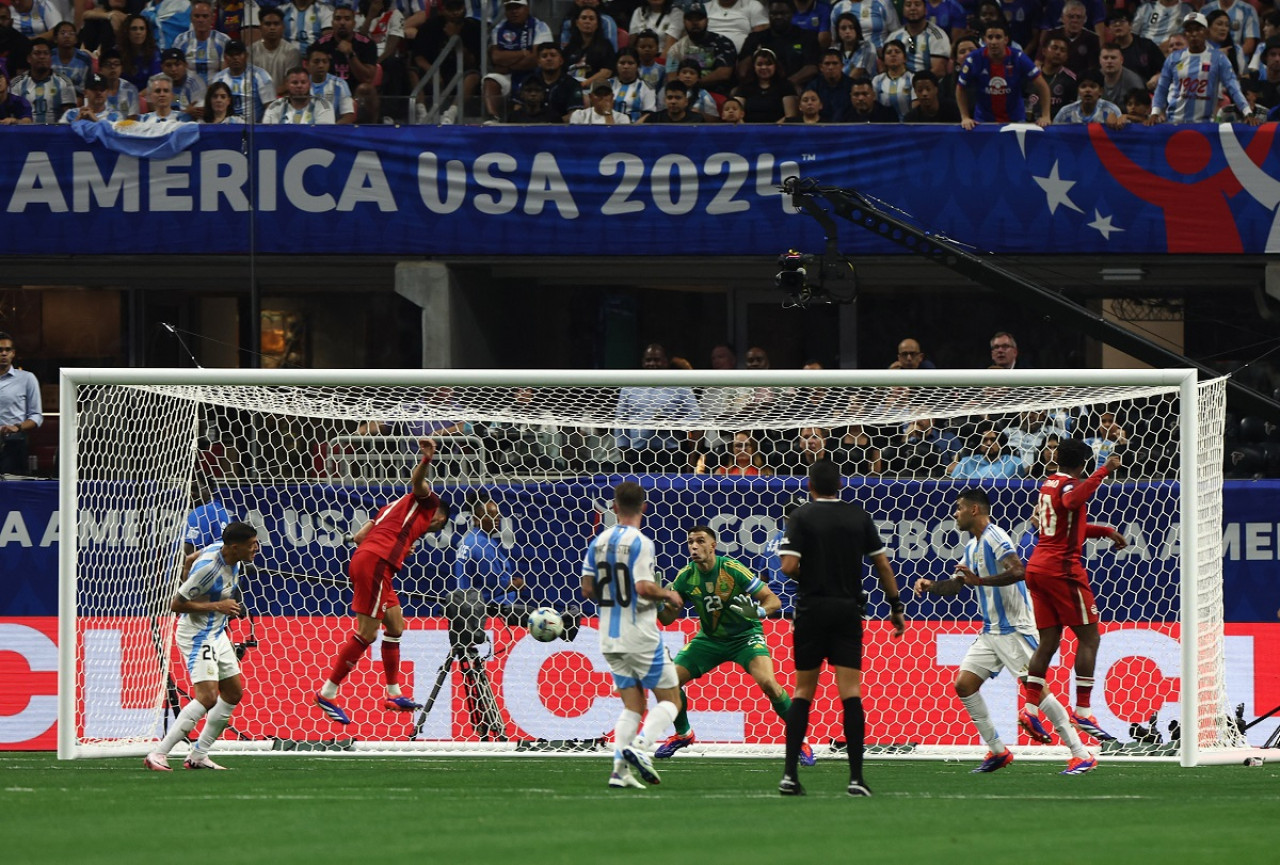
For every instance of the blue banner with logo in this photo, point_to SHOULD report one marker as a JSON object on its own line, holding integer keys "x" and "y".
{"x": 546, "y": 526}
{"x": 686, "y": 189}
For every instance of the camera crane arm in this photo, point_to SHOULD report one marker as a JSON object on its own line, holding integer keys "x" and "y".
{"x": 824, "y": 203}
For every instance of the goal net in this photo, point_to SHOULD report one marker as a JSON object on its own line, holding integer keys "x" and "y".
{"x": 528, "y": 460}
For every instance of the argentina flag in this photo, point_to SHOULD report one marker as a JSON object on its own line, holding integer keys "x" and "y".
{"x": 144, "y": 140}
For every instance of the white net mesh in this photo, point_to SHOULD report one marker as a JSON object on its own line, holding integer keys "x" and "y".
{"x": 308, "y": 465}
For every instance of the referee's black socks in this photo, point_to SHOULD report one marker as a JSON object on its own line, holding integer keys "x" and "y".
{"x": 797, "y": 729}
{"x": 855, "y": 731}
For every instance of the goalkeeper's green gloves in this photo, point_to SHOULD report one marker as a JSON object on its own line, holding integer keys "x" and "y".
{"x": 745, "y": 605}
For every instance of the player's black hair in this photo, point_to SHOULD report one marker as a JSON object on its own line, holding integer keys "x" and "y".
{"x": 1073, "y": 454}
{"x": 975, "y": 496}
{"x": 238, "y": 532}
{"x": 824, "y": 478}
{"x": 704, "y": 529}
{"x": 628, "y": 497}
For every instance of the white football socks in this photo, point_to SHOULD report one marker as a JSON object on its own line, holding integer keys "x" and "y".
{"x": 978, "y": 712}
{"x": 182, "y": 725}
{"x": 1066, "y": 730}
{"x": 660, "y": 717}
{"x": 217, "y": 720}
{"x": 628, "y": 723}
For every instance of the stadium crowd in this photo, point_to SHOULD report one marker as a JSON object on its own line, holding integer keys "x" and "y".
{"x": 640, "y": 61}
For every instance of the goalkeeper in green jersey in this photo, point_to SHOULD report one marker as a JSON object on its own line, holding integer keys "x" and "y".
{"x": 730, "y": 602}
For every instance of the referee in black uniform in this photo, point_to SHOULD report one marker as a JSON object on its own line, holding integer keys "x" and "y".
{"x": 826, "y": 541}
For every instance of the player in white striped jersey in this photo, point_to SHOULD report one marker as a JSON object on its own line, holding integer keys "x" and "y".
{"x": 1194, "y": 78}
{"x": 206, "y": 601}
{"x": 1009, "y": 637}
{"x": 618, "y": 574}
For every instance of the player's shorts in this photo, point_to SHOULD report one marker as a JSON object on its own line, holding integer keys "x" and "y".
{"x": 1062, "y": 600}
{"x": 827, "y": 629}
{"x": 371, "y": 576}
{"x": 209, "y": 659}
{"x": 991, "y": 653}
{"x": 703, "y": 654}
{"x": 652, "y": 670}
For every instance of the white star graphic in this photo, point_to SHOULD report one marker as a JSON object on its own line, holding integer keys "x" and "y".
{"x": 1056, "y": 190}
{"x": 1102, "y": 224}
{"x": 1021, "y": 130}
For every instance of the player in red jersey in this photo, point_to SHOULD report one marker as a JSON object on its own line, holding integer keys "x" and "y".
{"x": 381, "y": 547}
{"x": 1060, "y": 586}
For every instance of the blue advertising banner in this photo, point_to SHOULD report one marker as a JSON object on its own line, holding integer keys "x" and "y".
{"x": 547, "y": 524}
{"x": 692, "y": 190}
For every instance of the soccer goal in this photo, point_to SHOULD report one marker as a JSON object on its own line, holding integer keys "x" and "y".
{"x": 308, "y": 456}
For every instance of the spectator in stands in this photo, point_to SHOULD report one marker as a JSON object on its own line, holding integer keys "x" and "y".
{"x": 589, "y": 56}
{"x": 676, "y": 97}
{"x": 34, "y": 19}
{"x": 1061, "y": 81}
{"x": 860, "y": 454}
{"x": 1117, "y": 81}
{"x": 75, "y": 63}
{"x": 640, "y": 412}
{"x": 188, "y": 88}
{"x": 930, "y": 108}
{"x": 736, "y": 20}
{"x": 355, "y": 57}
{"x": 1025, "y": 438}
{"x": 299, "y": 106}
{"x": 14, "y": 109}
{"x": 1252, "y": 90}
{"x": 1004, "y": 351}
{"x": 1269, "y": 74}
{"x": 564, "y": 92}
{"x": 1191, "y": 80}
{"x": 810, "y": 444}
{"x": 796, "y": 50}
{"x": 814, "y": 16}
{"x": 368, "y": 103}
{"x": 601, "y": 112}
{"x": 928, "y": 46}
{"x": 202, "y": 45}
{"x": 744, "y": 458}
{"x": 987, "y": 97}
{"x": 766, "y": 96}
{"x": 715, "y": 54}
{"x": 733, "y": 112}
{"x": 863, "y": 105}
{"x": 531, "y": 104}
{"x": 1082, "y": 44}
{"x": 832, "y": 87}
{"x": 50, "y": 95}
{"x": 101, "y": 22}
{"x": 160, "y": 97}
{"x": 810, "y": 108}
{"x": 659, "y": 17}
{"x": 1137, "y": 105}
{"x": 252, "y": 88}
{"x": 893, "y": 85}
{"x": 169, "y": 19}
{"x": 1160, "y": 21}
{"x": 856, "y": 53}
{"x": 911, "y": 356}
{"x": 14, "y": 46}
{"x": 724, "y": 357}
{"x": 651, "y": 71}
{"x": 1218, "y": 24}
{"x": 1108, "y": 437}
{"x": 1270, "y": 28}
{"x": 878, "y": 18}
{"x": 139, "y": 52}
{"x": 701, "y": 101}
{"x": 608, "y": 26}
{"x": 631, "y": 96}
{"x": 1046, "y": 462}
{"x": 330, "y": 87}
{"x": 451, "y": 20}
{"x": 218, "y": 105}
{"x": 960, "y": 49}
{"x": 305, "y": 21}
{"x": 1141, "y": 56}
{"x": 20, "y": 409}
{"x": 511, "y": 53}
{"x": 121, "y": 95}
{"x": 272, "y": 51}
{"x": 922, "y": 447}
{"x": 383, "y": 23}
{"x": 988, "y": 460}
{"x": 1091, "y": 107}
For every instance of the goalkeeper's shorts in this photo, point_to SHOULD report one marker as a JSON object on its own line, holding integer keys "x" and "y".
{"x": 703, "y": 654}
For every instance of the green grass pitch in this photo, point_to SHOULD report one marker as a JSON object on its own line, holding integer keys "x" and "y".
{"x": 516, "y": 810}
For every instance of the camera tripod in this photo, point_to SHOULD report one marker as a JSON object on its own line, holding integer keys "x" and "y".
{"x": 482, "y": 705}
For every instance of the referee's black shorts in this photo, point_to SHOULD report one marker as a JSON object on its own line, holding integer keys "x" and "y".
{"x": 827, "y": 629}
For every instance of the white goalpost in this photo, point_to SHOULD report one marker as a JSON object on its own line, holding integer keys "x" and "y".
{"x": 307, "y": 456}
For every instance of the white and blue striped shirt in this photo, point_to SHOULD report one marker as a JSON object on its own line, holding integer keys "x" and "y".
{"x": 617, "y": 559}
{"x": 878, "y": 18}
{"x": 1074, "y": 113}
{"x": 1158, "y": 22}
{"x": 337, "y": 93}
{"x": 895, "y": 93}
{"x": 204, "y": 56}
{"x": 1005, "y": 609}
{"x": 210, "y": 579}
{"x": 931, "y": 42}
{"x": 42, "y": 17}
{"x": 303, "y": 27}
{"x": 1190, "y": 85}
{"x": 77, "y": 68}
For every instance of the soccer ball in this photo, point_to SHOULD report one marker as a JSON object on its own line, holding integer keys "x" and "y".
{"x": 545, "y": 624}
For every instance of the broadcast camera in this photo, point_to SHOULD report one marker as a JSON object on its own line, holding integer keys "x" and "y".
{"x": 804, "y": 279}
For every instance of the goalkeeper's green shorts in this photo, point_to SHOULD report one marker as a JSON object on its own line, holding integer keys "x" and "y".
{"x": 702, "y": 654}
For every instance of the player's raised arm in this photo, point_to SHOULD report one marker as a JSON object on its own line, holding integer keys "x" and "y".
{"x": 418, "y": 480}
